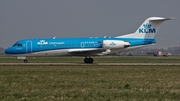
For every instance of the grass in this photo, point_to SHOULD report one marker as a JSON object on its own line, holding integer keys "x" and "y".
{"x": 89, "y": 82}
{"x": 110, "y": 59}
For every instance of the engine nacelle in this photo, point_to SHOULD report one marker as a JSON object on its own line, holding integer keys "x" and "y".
{"x": 111, "y": 44}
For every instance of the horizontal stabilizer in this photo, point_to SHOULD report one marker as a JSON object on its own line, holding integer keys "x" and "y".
{"x": 161, "y": 19}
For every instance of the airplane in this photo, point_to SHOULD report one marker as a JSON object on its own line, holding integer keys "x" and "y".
{"x": 88, "y": 47}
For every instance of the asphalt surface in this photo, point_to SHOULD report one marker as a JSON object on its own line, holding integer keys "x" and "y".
{"x": 47, "y": 64}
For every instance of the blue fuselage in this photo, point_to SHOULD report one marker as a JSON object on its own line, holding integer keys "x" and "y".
{"x": 38, "y": 45}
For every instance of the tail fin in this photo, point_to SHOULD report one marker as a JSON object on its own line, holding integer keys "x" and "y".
{"x": 148, "y": 29}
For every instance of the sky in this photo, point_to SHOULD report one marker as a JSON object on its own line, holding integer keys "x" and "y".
{"x": 24, "y": 19}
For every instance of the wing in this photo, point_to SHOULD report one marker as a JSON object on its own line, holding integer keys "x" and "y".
{"x": 87, "y": 51}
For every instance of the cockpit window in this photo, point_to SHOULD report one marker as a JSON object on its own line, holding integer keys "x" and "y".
{"x": 15, "y": 45}
{"x": 19, "y": 45}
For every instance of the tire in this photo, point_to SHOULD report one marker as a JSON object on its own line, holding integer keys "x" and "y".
{"x": 25, "y": 61}
{"x": 86, "y": 60}
{"x": 90, "y": 60}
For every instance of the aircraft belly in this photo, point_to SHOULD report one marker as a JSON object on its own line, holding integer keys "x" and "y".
{"x": 47, "y": 53}
{"x": 53, "y": 53}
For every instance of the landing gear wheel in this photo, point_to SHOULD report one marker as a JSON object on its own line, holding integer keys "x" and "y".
{"x": 88, "y": 60}
{"x": 25, "y": 61}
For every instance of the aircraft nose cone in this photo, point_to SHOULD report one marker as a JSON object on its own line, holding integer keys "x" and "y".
{"x": 7, "y": 51}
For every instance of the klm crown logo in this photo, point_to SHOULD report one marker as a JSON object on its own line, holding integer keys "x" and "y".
{"x": 112, "y": 44}
{"x": 147, "y": 25}
{"x": 147, "y": 29}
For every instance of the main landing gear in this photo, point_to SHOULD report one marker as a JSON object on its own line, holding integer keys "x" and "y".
{"x": 88, "y": 60}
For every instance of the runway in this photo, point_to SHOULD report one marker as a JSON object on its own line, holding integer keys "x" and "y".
{"x": 59, "y": 64}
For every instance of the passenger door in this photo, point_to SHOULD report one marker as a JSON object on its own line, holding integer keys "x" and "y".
{"x": 28, "y": 46}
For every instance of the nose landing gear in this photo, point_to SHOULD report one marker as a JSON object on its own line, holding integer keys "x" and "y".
{"x": 25, "y": 61}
